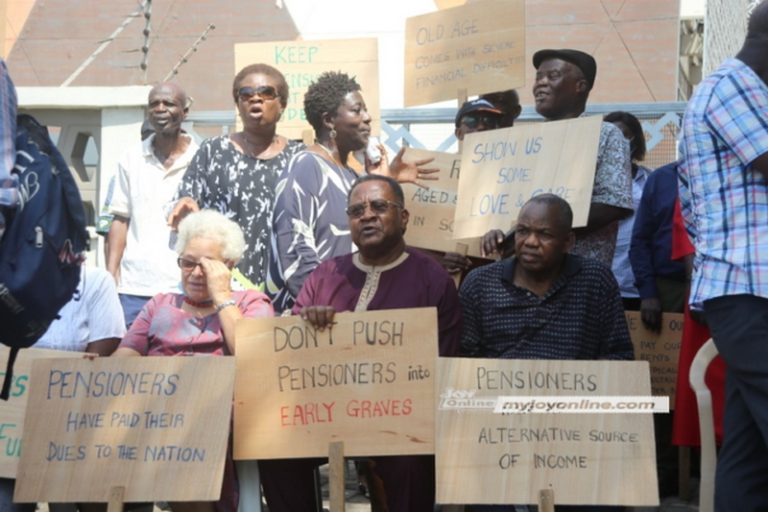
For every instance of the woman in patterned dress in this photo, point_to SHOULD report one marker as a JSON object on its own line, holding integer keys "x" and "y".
{"x": 237, "y": 174}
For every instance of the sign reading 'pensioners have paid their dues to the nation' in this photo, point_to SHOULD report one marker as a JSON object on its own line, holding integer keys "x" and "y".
{"x": 432, "y": 209}
{"x": 661, "y": 350}
{"x": 502, "y": 169}
{"x": 156, "y": 426}
{"x": 368, "y": 382}
{"x": 12, "y": 411}
{"x": 301, "y": 62}
{"x": 485, "y": 457}
{"x": 478, "y": 47}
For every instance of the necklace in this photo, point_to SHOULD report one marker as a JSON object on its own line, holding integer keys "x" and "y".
{"x": 201, "y": 305}
{"x": 254, "y": 149}
{"x": 330, "y": 155}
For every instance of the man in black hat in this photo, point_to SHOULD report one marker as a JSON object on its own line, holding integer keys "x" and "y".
{"x": 564, "y": 79}
{"x": 477, "y": 116}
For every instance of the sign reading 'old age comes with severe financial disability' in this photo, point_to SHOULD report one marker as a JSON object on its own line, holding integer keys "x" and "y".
{"x": 486, "y": 457}
{"x": 432, "y": 209}
{"x": 155, "y": 426}
{"x": 368, "y": 382}
{"x": 479, "y": 47}
{"x": 12, "y": 411}
{"x": 502, "y": 169}
{"x": 301, "y": 62}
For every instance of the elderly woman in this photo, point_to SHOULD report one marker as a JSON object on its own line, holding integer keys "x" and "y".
{"x": 310, "y": 222}
{"x": 237, "y": 174}
{"x": 201, "y": 320}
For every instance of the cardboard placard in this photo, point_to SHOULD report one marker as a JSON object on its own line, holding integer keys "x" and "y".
{"x": 156, "y": 426}
{"x": 301, "y": 62}
{"x": 483, "y": 457}
{"x": 368, "y": 382}
{"x": 479, "y": 47}
{"x": 662, "y": 350}
{"x": 502, "y": 169}
{"x": 432, "y": 210}
{"x": 12, "y": 411}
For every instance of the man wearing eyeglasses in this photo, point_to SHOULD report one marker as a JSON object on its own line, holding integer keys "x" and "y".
{"x": 140, "y": 256}
{"x": 477, "y": 116}
{"x": 383, "y": 274}
{"x": 564, "y": 79}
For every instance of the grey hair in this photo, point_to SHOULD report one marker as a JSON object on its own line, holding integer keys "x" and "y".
{"x": 214, "y": 226}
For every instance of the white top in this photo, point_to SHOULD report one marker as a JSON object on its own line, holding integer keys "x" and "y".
{"x": 143, "y": 191}
{"x": 93, "y": 314}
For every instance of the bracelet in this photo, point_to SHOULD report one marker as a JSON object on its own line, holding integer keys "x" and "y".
{"x": 230, "y": 302}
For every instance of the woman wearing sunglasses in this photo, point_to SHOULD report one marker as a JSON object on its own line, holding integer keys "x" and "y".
{"x": 236, "y": 174}
{"x": 201, "y": 319}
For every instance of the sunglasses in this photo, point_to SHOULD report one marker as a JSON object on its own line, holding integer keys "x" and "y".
{"x": 265, "y": 92}
{"x": 378, "y": 206}
{"x": 472, "y": 121}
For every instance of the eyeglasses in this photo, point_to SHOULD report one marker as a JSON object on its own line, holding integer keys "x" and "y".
{"x": 378, "y": 206}
{"x": 265, "y": 92}
{"x": 187, "y": 265}
{"x": 472, "y": 121}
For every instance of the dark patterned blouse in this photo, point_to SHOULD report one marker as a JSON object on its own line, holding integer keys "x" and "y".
{"x": 241, "y": 187}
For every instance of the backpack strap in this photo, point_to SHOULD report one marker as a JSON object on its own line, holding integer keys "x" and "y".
{"x": 9, "y": 373}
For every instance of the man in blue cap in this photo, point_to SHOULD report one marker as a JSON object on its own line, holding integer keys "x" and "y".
{"x": 477, "y": 116}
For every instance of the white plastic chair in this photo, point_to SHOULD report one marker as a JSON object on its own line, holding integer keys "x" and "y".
{"x": 699, "y": 366}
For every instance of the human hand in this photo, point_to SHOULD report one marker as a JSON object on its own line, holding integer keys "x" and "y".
{"x": 183, "y": 207}
{"x": 319, "y": 317}
{"x": 492, "y": 242}
{"x": 406, "y": 172}
{"x": 650, "y": 314}
{"x": 218, "y": 277}
{"x": 454, "y": 262}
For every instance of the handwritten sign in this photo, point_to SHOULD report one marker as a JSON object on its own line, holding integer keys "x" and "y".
{"x": 502, "y": 169}
{"x": 662, "y": 351}
{"x": 157, "y": 426}
{"x": 301, "y": 62}
{"x": 485, "y": 457}
{"x": 368, "y": 382}
{"x": 12, "y": 411}
{"x": 432, "y": 210}
{"x": 479, "y": 47}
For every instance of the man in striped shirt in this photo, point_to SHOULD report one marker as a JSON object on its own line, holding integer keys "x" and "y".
{"x": 724, "y": 196}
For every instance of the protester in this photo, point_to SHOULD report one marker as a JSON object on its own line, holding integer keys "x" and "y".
{"x": 375, "y": 278}
{"x": 140, "y": 255}
{"x": 202, "y": 319}
{"x": 237, "y": 174}
{"x": 724, "y": 199}
{"x": 564, "y": 79}
{"x": 632, "y": 130}
{"x": 508, "y": 102}
{"x": 310, "y": 224}
{"x": 477, "y": 116}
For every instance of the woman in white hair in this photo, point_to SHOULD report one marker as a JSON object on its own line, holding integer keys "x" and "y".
{"x": 201, "y": 320}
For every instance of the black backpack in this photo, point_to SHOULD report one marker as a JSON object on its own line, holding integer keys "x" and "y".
{"x": 44, "y": 243}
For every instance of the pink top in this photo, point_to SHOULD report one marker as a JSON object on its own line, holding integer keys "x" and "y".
{"x": 164, "y": 329}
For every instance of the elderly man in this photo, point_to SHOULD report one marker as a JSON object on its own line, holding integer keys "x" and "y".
{"x": 564, "y": 79}
{"x": 723, "y": 181}
{"x": 384, "y": 274}
{"x": 477, "y": 116}
{"x": 543, "y": 303}
{"x": 140, "y": 255}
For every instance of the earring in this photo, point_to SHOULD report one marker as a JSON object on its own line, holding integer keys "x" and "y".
{"x": 333, "y": 133}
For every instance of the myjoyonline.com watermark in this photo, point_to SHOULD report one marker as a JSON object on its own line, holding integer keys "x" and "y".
{"x": 581, "y": 404}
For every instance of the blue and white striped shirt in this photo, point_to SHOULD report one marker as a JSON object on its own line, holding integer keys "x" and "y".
{"x": 724, "y": 202}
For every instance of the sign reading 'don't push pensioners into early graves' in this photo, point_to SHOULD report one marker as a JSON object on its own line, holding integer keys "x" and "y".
{"x": 432, "y": 209}
{"x": 301, "y": 62}
{"x": 156, "y": 426}
{"x": 502, "y": 169}
{"x": 507, "y": 457}
{"x": 478, "y": 47}
{"x": 368, "y": 382}
{"x": 12, "y": 411}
